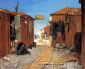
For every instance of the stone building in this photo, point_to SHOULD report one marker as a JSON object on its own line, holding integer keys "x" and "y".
{"x": 66, "y": 25}
{"x": 15, "y": 26}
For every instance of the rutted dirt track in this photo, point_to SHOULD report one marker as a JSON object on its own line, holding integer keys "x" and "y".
{"x": 47, "y": 58}
{"x": 44, "y": 58}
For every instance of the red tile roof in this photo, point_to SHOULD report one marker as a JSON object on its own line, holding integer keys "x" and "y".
{"x": 47, "y": 28}
{"x": 21, "y": 14}
{"x": 14, "y": 13}
{"x": 18, "y": 13}
{"x": 71, "y": 11}
{"x": 4, "y": 10}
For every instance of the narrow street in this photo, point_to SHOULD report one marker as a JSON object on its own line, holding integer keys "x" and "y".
{"x": 42, "y": 34}
{"x": 44, "y": 57}
{"x": 53, "y": 59}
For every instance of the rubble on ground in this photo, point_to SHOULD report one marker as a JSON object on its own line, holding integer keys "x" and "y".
{"x": 72, "y": 65}
{"x": 66, "y": 65}
{"x": 13, "y": 61}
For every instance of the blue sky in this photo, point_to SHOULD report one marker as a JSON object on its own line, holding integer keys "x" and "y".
{"x": 39, "y": 7}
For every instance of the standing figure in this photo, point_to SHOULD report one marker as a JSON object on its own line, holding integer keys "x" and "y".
{"x": 12, "y": 36}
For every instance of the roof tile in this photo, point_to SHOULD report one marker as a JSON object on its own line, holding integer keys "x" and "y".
{"x": 71, "y": 11}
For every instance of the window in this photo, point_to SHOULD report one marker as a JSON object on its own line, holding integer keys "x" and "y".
{"x": 30, "y": 26}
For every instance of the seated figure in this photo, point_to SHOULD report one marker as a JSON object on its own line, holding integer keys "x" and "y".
{"x": 21, "y": 49}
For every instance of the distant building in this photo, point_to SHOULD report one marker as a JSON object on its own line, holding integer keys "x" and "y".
{"x": 47, "y": 31}
{"x": 41, "y": 35}
{"x": 65, "y": 24}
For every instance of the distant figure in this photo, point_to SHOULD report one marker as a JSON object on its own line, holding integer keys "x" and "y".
{"x": 21, "y": 49}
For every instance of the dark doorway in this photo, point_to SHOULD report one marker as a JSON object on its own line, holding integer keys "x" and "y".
{"x": 78, "y": 42}
{"x": 12, "y": 33}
